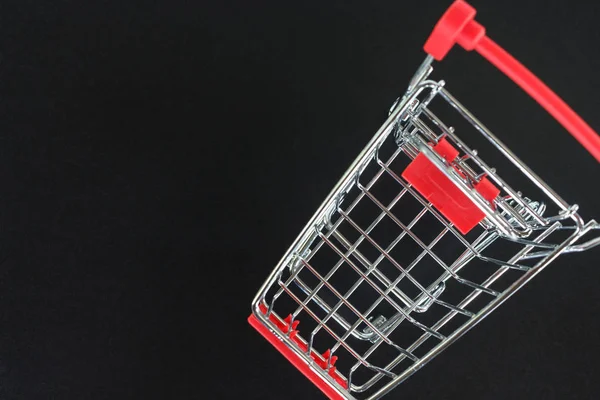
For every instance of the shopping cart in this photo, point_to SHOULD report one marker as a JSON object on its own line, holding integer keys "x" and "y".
{"x": 420, "y": 239}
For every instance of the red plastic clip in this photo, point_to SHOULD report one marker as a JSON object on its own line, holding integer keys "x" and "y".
{"x": 436, "y": 187}
{"x": 286, "y": 325}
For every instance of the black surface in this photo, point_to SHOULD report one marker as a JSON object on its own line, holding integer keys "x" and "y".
{"x": 157, "y": 158}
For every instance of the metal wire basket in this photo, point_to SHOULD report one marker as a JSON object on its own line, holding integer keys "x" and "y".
{"x": 420, "y": 239}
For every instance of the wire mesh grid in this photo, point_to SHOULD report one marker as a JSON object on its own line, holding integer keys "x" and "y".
{"x": 382, "y": 281}
{"x": 421, "y": 239}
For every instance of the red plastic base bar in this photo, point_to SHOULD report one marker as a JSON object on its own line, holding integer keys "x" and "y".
{"x": 298, "y": 362}
{"x": 436, "y": 187}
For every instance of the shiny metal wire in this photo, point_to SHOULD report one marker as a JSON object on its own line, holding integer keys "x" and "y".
{"x": 374, "y": 352}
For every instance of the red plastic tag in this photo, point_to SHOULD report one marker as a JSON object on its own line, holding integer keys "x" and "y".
{"x": 445, "y": 196}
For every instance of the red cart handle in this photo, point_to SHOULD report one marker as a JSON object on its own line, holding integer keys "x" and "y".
{"x": 458, "y": 25}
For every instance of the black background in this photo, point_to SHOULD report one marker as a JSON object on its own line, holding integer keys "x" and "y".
{"x": 157, "y": 158}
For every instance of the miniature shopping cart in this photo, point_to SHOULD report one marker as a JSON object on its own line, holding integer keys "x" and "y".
{"x": 421, "y": 238}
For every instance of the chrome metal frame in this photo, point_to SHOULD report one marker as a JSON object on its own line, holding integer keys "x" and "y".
{"x": 512, "y": 218}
